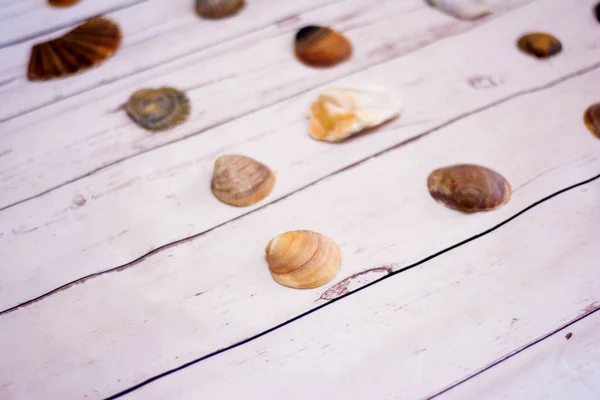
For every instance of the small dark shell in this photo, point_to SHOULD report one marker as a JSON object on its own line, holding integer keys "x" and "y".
{"x": 84, "y": 47}
{"x": 597, "y": 12}
{"x": 215, "y": 9}
{"x": 539, "y": 45}
{"x": 468, "y": 188}
{"x": 319, "y": 46}
{"x": 592, "y": 119}
{"x": 62, "y": 3}
{"x": 158, "y": 109}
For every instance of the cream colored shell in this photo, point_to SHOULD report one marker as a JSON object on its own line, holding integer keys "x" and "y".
{"x": 303, "y": 259}
{"x": 462, "y": 9}
{"x": 340, "y": 113}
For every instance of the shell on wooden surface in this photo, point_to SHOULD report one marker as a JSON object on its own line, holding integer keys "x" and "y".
{"x": 319, "y": 46}
{"x": 158, "y": 109}
{"x": 462, "y": 9}
{"x": 591, "y": 117}
{"x": 62, "y": 3}
{"x": 84, "y": 47}
{"x": 539, "y": 45}
{"x": 469, "y": 188}
{"x": 597, "y": 12}
{"x": 241, "y": 181}
{"x": 303, "y": 259}
{"x": 215, "y": 9}
{"x": 340, "y": 113}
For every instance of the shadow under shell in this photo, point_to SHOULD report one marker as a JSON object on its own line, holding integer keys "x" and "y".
{"x": 539, "y": 45}
{"x": 158, "y": 109}
{"x": 320, "y": 46}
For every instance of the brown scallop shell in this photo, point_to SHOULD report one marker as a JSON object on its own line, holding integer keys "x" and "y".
{"x": 303, "y": 259}
{"x": 592, "y": 119}
{"x": 158, "y": 109}
{"x": 320, "y": 46}
{"x": 215, "y": 9}
{"x": 469, "y": 188}
{"x": 82, "y": 48}
{"x": 62, "y": 3}
{"x": 539, "y": 45}
{"x": 241, "y": 181}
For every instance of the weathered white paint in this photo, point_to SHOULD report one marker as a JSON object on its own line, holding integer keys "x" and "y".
{"x": 224, "y": 81}
{"x": 208, "y": 293}
{"x": 162, "y": 196}
{"x": 555, "y": 369}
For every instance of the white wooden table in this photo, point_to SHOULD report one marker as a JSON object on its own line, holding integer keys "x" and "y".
{"x": 121, "y": 276}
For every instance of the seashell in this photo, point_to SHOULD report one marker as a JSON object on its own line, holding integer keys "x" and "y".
{"x": 468, "y": 188}
{"x": 462, "y": 9}
{"x": 597, "y": 12}
{"x": 592, "y": 119}
{"x": 158, "y": 109}
{"x": 320, "y": 46}
{"x": 84, "y": 47}
{"x": 340, "y": 113}
{"x": 62, "y": 3}
{"x": 303, "y": 259}
{"x": 539, "y": 45}
{"x": 215, "y": 9}
{"x": 241, "y": 181}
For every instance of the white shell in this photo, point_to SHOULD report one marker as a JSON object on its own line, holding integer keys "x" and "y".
{"x": 340, "y": 113}
{"x": 462, "y": 9}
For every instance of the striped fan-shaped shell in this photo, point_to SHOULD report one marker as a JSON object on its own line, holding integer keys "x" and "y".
{"x": 84, "y": 47}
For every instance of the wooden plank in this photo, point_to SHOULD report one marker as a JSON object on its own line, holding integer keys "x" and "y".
{"x": 196, "y": 296}
{"x": 565, "y": 365}
{"x": 223, "y": 82}
{"x": 423, "y": 329}
{"x": 119, "y": 214}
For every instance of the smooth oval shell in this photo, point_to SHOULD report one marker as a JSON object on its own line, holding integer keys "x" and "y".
{"x": 241, "y": 181}
{"x": 62, "y": 3}
{"x": 340, "y": 113}
{"x": 591, "y": 117}
{"x": 215, "y": 9}
{"x": 303, "y": 259}
{"x": 158, "y": 109}
{"x": 539, "y": 45}
{"x": 82, "y": 48}
{"x": 320, "y": 46}
{"x": 469, "y": 188}
{"x": 462, "y": 9}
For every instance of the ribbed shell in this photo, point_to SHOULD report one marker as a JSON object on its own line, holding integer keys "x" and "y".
{"x": 82, "y": 48}
{"x": 469, "y": 188}
{"x": 320, "y": 46}
{"x": 62, "y": 3}
{"x": 592, "y": 119}
{"x": 539, "y": 45}
{"x": 462, "y": 9}
{"x": 241, "y": 181}
{"x": 158, "y": 109}
{"x": 303, "y": 259}
{"x": 215, "y": 9}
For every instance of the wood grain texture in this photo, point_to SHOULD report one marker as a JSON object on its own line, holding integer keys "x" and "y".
{"x": 195, "y": 297}
{"x": 565, "y": 365}
{"x": 125, "y": 211}
{"x": 421, "y": 330}
{"x": 224, "y": 81}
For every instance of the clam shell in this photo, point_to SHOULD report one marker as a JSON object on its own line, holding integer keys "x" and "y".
{"x": 468, "y": 188}
{"x": 241, "y": 181}
{"x": 215, "y": 9}
{"x": 340, "y": 113}
{"x": 84, "y": 47}
{"x": 303, "y": 259}
{"x": 158, "y": 109}
{"x": 62, "y": 3}
{"x": 462, "y": 9}
{"x": 592, "y": 119}
{"x": 320, "y": 46}
{"x": 539, "y": 45}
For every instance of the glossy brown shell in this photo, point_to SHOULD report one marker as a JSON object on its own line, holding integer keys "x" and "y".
{"x": 469, "y": 188}
{"x": 539, "y": 45}
{"x": 319, "y": 46}
{"x": 591, "y": 117}
{"x": 82, "y": 48}
{"x": 215, "y": 9}
{"x": 62, "y": 3}
{"x": 158, "y": 109}
{"x": 303, "y": 259}
{"x": 241, "y": 181}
